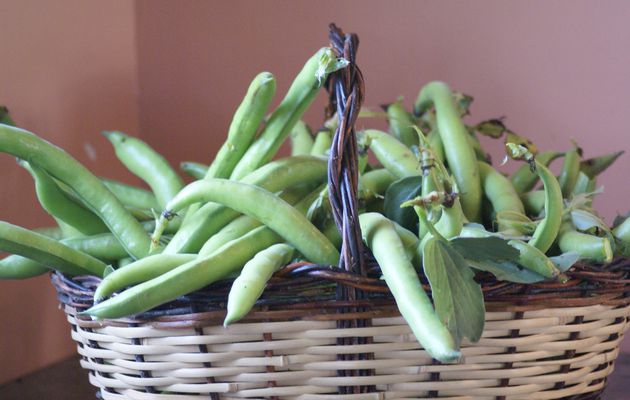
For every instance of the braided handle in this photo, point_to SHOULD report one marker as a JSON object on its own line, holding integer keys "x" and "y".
{"x": 346, "y": 91}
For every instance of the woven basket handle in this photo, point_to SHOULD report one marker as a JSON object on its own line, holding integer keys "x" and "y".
{"x": 346, "y": 91}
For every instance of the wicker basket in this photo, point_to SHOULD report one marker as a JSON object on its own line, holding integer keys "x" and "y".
{"x": 321, "y": 332}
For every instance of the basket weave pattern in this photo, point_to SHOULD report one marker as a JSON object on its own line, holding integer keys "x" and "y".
{"x": 536, "y": 345}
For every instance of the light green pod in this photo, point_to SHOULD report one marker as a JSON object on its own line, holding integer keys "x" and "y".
{"x": 394, "y": 155}
{"x": 402, "y": 279}
{"x": 459, "y": 154}
{"x": 245, "y": 123}
{"x": 194, "y": 169}
{"x": 301, "y": 139}
{"x": 524, "y": 180}
{"x": 300, "y": 95}
{"x": 323, "y": 141}
{"x": 250, "y": 284}
{"x": 589, "y": 247}
{"x": 401, "y": 124}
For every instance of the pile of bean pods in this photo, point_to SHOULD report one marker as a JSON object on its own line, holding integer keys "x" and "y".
{"x": 431, "y": 207}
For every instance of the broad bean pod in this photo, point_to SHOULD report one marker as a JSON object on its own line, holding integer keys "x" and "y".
{"x": 261, "y": 205}
{"x": 247, "y": 118}
{"x": 47, "y": 251}
{"x": 185, "y": 278}
{"x": 194, "y": 169}
{"x": 589, "y": 247}
{"x": 61, "y": 166}
{"x": 301, "y": 139}
{"x": 251, "y": 282}
{"x": 402, "y": 279}
{"x": 300, "y": 95}
{"x": 146, "y": 164}
{"x": 459, "y": 155}
{"x": 274, "y": 177}
{"x": 401, "y": 124}
{"x": 524, "y": 180}
{"x": 59, "y": 205}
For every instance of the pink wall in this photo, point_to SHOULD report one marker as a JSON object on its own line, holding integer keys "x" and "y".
{"x": 68, "y": 71}
{"x": 557, "y": 70}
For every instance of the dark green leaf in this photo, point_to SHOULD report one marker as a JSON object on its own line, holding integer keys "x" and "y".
{"x": 507, "y": 271}
{"x": 457, "y": 297}
{"x": 485, "y": 249}
{"x": 5, "y": 118}
{"x": 397, "y": 193}
{"x": 565, "y": 260}
{"x": 463, "y": 102}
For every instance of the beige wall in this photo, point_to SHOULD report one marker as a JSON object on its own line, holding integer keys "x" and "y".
{"x": 67, "y": 72}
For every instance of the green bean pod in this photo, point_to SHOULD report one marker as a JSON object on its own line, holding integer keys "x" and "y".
{"x": 139, "y": 271}
{"x": 499, "y": 190}
{"x": 436, "y": 145}
{"x": 18, "y": 267}
{"x": 534, "y": 260}
{"x": 61, "y": 206}
{"x": 394, "y": 155}
{"x": 569, "y": 172}
{"x": 524, "y": 180}
{"x": 547, "y": 230}
{"x": 194, "y": 169}
{"x": 596, "y": 165}
{"x": 103, "y": 246}
{"x": 401, "y": 124}
{"x": 323, "y": 141}
{"x": 589, "y": 247}
{"x": 61, "y": 166}
{"x": 274, "y": 177}
{"x": 146, "y": 164}
{"x": 300, "y": 95}
{"x": 460, "y": 156}
{"x": 262, "y": 205}
{"x": 622, "y": 231}
{"x": 131, "y": 196}
{"x": 301, "y": 139}
{"x": 534, "y": 202}
{"x": 47, "y": 251}
{"x": 250, "y": 284}
{"x": 247, "y": 118}
{"x": 402, "y": 279}
{"x": 185, "y": 278}
{"x": 374, "y": 183}
{"x": 243, "y": 224}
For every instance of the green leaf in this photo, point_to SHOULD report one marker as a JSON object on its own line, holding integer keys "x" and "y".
{"x": 585, "y": 220}
{"x": 507, "y": 271}
{"x": 457, "y": 297}
{"x": 397, "y": 193}
{"x": 490, "y": 248}
{"x": 565, "y": 261}
{"x": 463, "y": 101}
{"x": 5, "y": 118}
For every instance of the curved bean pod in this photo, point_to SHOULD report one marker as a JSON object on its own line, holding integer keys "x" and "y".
{"x": 146, "y": 164}
{"x": 401, "y": 124}
{"x": 414, "y": 305}
{"x": 247, "y": 118}
{"x": 301, "y": 139}
{"x": 131, "y": 196}
{"x": 263, "y": 206}
{"x": 139, "y": 271}
{"x": 274, "y": 177}
{"x": 47, "y": 251}
{"x": 323, "y": 141}
{"x": 374, "y": 183}
{"x": 499, "y": 190}
{"x": 59, "y": 205}
{"x": 547, "y": 230}
{"x": 570, "y": 170}
{"x": 187, "y": 277}
{"x": 534, "y": 260}
{"x": 524, "y": 180}
{"x": 243, "y": 224}
{"x": 589, "y": 247}
{"x": 251, "y": 283}
{"x": 534, "y": 201}
{"x": 460, "y": 156}
{"x": 60, "y": 165}
{"x": 394, "y": 155}
{"x": 300, "y": 95}
{"x": 103, "y": 246}
{"x": 18, "y": 267}
{"x": 194, "y": 169}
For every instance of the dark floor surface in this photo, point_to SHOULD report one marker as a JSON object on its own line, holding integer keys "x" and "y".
{"x": 67, "y": 381}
